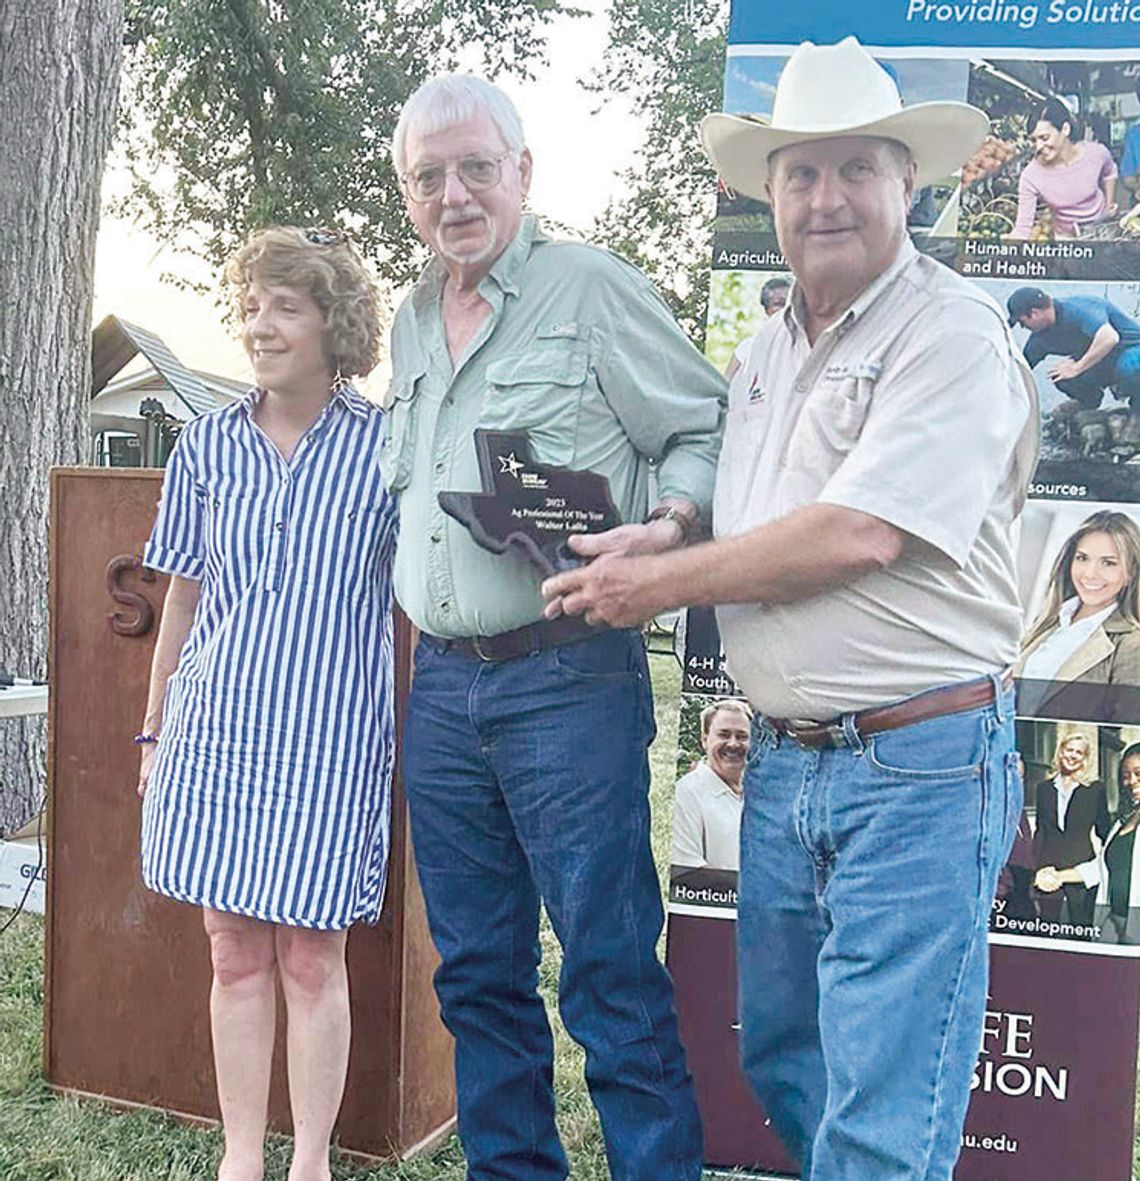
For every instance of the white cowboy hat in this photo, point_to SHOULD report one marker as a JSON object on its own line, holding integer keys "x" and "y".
{"x": 830, "y": 90}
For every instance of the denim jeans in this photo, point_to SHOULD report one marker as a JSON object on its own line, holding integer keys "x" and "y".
{"x": 527, "y": 781}
{"x": 866, "y": 880}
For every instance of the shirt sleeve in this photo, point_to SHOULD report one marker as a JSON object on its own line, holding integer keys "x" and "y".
{"x": 1035, "y": 351}
{"x": 669, "y": 400}
{"x": 688, "y": 829}
{"x": 176, "y": 544}
{"x": 1107, "y": 164}
{"x": 1130, "y": 164}
{"x": 1026, "y": 205}
{"x": 1087, "y": 315}
{"x": 1089, "y": 872}
{"x": 945, "y": 419}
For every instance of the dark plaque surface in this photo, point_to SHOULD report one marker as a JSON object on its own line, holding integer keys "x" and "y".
{"x": 530, "y": 507}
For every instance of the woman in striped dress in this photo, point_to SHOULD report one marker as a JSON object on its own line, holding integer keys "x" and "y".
{"x": 267, "y": 741}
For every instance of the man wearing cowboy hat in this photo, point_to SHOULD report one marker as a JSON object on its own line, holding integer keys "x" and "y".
{"x": 878, "y": 447}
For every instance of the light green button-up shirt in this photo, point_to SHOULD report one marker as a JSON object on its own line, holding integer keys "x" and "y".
{"x": 579, "y": 352}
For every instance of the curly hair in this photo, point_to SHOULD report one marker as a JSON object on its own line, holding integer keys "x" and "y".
{"x": 326, "y": 265}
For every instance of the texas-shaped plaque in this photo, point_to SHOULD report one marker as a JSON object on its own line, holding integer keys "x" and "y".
{"x": 527, "y": 506}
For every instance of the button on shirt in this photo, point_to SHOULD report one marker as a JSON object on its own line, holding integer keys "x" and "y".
{"x": 579, "y": 352}
{"x": 917, "y": 408}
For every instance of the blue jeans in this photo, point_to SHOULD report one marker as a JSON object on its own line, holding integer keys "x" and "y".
{"x": 867, "y": 875}
{"x": 1121, "y": 373}
{"x": 527, "y": 781}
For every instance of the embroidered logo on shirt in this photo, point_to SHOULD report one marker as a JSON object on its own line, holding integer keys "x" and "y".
{"x": 870, "y": 370}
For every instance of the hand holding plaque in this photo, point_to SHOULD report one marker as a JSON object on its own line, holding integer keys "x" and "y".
{"x": 530, "y": 507}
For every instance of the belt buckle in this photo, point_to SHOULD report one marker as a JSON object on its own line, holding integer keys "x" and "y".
{"x": 835, "y": 735}
{"x": 476, "y": 644}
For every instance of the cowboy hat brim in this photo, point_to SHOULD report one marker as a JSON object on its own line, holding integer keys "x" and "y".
{"x": 941, "y": 137}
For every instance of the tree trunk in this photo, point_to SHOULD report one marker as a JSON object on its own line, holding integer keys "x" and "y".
{"x": 59, "y": 81}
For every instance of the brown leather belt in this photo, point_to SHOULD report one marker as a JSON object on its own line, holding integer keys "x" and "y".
{"x": 523, "y": 641}
{"x": 949, "y": 699}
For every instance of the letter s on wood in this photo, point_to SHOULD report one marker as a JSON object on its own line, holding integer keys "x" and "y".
{"x": 122, "y": 623}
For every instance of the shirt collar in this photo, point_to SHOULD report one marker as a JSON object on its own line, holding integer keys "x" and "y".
{"x": 343, "y": 395}
{"x": 1069, "y": 609}
{"x": 794, "y": 316}
{"x": 505, "y": 271}
{"x": 722, "y": 788}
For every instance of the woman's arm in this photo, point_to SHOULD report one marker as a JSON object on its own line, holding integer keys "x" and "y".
{"x": 1026, "y": 206}
{"x": 1109, "y": 187}
{"x": 177, "y": 617}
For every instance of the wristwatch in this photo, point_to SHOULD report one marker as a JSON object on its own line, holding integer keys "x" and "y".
{"x": 670, "y": 512}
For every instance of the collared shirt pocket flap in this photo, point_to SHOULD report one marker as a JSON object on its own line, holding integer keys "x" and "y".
{"x": 539, "y": 391}
{"x": 552, "y": 361}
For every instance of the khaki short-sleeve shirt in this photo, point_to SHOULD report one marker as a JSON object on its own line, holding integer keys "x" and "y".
{"x": 915, "y": 407}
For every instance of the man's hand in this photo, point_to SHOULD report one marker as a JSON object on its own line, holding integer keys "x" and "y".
{"x": 1064, "y": 370}
{"x": 1047, "y": 880}
{"x": 628, "y": 540}
{"x": 611, "y": 589}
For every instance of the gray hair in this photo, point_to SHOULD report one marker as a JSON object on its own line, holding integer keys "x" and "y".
{"x": 776, "y": 283}
{"x": 443, "y": 101}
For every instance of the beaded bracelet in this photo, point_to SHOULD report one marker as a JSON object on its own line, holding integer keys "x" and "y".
{"x": 145, "y": 739}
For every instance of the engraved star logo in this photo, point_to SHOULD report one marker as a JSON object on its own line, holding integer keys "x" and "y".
{"x": 510, "y": 464}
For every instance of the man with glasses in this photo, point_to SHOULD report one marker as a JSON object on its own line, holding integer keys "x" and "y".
{"x": 525, "y": 743}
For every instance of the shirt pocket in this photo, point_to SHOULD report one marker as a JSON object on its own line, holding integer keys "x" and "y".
{"x": 539, "y": 392}
{"x": 828, "y": 427}
{"x": 236, "y": 526}
{"x": 399, "y": 442}
{"x": 734, "y": 501}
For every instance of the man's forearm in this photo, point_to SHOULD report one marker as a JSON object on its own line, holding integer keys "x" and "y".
{"x": 1105, "y": 340}
{"x": 811, "y": 549}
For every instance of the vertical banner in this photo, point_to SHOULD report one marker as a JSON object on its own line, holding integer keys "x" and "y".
{"x": 1045, "y": 218}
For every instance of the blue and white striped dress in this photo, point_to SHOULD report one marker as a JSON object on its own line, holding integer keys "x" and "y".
{"x": 270, "y": 794}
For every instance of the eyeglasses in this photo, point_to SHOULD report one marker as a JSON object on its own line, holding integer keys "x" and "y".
{"x": 476, "y": 172}
{"x": 324, "y": 237}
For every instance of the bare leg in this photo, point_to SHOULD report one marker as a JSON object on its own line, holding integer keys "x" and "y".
{"x": 315, "y": 983}
{"x": 243, "y": 1003}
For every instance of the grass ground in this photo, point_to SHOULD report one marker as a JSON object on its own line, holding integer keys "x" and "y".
{"x": 44, "y": 1137}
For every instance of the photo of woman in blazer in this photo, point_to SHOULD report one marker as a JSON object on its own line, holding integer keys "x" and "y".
{"x": 1070, "y": 808}
{"x": 1081, "y": 656}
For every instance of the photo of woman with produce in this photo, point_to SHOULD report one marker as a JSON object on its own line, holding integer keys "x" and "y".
{"x": 1049, "y": 170}
{"x": 1074, "y": 178}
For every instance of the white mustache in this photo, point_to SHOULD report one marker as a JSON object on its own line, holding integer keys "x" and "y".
{"x": 465, "y": 213}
